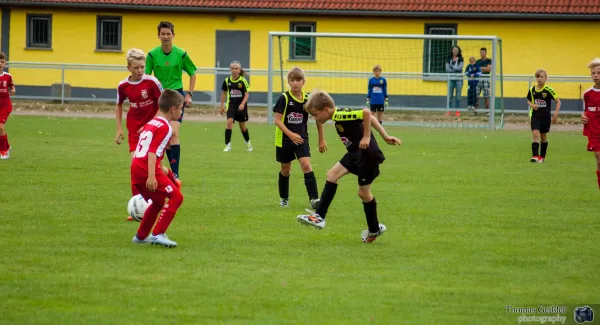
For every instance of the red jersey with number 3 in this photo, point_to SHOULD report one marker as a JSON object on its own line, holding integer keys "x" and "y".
{"x": 143, "y": 100}
{"x": 591, "y": 107}
{"x": 153, "y": 139}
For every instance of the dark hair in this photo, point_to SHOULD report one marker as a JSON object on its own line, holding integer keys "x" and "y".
{"x": 169, "y": 98}
{"x": 166, "y": 24}
{"x": 459, "y": 55}
{"x": 2, "y": 56}
{"x": 483, "y": 49}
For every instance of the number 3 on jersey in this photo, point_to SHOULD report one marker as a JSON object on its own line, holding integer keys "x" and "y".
{"x": 143, "y": 144}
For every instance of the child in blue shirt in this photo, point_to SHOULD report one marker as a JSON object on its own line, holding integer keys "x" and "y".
{"x": 377, "y": 97}
{"x": 472, "y": 71}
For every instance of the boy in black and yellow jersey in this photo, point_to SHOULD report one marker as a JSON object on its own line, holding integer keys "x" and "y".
{"x": 237, "y": 91}
{"x": 362, "y": 159}
{"x": 539, "y": 99}
{"x": 291, "y": 138}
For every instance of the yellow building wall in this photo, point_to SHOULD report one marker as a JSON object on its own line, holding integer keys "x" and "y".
{"x": 527, "y": 46}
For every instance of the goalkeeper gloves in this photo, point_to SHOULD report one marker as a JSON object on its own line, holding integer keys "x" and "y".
{"x": 386, "y": 104}
{"x": 367, "y": 104}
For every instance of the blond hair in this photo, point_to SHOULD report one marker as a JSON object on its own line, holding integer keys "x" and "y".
{"x": 169, "y": 98}
{"x": 377, "y": 67}
{"x": 318, "y": 100}
{"x": 296, "y": 73}
{"x": 540, "y": 71}
{"x": 135, "y": 55}
{"x": 594, "y": 63}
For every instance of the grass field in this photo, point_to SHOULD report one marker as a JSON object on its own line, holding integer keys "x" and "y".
{"x": 472, "y": 227}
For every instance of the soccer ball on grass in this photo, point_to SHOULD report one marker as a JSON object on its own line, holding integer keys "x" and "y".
{"x": 137, "y": 207}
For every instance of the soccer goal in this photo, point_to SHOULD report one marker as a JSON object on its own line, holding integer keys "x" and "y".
{"x": 414, "y": 66}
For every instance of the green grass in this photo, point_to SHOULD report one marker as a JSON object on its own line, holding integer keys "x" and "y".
{"x": 472, "y": 227}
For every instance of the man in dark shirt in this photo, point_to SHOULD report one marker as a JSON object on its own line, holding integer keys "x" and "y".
{"x": 485, "y": 64}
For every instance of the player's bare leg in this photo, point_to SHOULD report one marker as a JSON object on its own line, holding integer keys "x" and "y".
{"x": 4, "y": 145}
{"x": 380, "y": 116}
{"x": 597, "y": 154}
{"x": 543, "y": 146}
{"x": 317, "y": 218}
{"x": 284, "y": 185}
{"x": 310, "y": 182}
{"x": 175, "y": 148}
{"x": 375, "y": 229}
{"x": 228, "y": 131}
{"x": 535, "y": 146}
{"x": 246, "y": 135}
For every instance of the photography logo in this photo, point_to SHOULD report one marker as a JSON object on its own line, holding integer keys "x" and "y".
{"x": 583, "y": 314}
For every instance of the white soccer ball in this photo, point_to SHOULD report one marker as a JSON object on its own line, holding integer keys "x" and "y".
{"x": 137, "y": 207}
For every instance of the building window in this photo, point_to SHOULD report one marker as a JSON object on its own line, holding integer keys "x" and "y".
{"x": 303, "y": 48}
{"x": 39, "y": 31}
{"x": 108, "y": 33}
{"x": 436, "y": 51}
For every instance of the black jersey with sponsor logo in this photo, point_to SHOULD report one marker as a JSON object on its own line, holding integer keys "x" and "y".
{"x": 349, "y": 126}
{"x": 236, "y": 90}
{"x": 543, "y": 98}
{"x": 294, "y": 117}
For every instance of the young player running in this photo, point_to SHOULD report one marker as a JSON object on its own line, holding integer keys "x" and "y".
{"x": 7, "y": 89}
{"x": 147, "y": 175}
{"x": 362, "y": 159}
{"x": 377, "y": 97}
{"x": 291, "y": 138}
{"x": 591, "y": 114}
{"x": 539, "y": 99}
{"x": 237, "y": 91}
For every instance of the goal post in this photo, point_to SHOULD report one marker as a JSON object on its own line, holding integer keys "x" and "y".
{"x": 414, "y": 65}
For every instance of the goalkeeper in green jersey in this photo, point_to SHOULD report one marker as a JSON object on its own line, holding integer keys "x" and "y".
{"x": 168, "y": 63}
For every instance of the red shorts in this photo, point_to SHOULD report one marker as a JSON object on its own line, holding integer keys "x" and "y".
{"x": 593, "y": 144}
{"x": 165, "y": 187}
{"x": 133, "y": 138}
{"x": 5, "y": 109}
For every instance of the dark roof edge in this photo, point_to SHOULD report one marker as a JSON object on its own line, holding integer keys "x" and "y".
{"x": 408, "y": 14}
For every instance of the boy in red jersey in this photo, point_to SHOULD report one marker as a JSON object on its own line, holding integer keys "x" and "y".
{"x": 143, "y": 92}
{"x": 591, "y": 114}
{"x": 7, "y": 89}
{"x": 149, "y": 179}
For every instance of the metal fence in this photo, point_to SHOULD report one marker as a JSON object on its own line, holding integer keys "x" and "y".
{"x": 65, "y": 78}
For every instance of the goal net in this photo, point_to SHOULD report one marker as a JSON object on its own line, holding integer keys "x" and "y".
{"x": 420, "y": 89}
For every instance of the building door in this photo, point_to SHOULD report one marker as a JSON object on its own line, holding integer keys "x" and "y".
{"x": 232, "y": 45}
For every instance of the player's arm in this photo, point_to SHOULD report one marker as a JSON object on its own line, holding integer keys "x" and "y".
{"x": 321, "y": 133}
{"x": 151, "y": 183}
{"x": 246, "y": 94}
{"x": 119, "y": 116}
{"x": 379, "y": 128}
{"x": 149, "y": 64}
{"x": 190, "y": 68}
{"x": 584, "y": 118}
{"x": 531, "y": 104}
{"x": 557, "y": 100}
{"x": 385, "y": 94}
{"x": 366, "y": 117}
{"x": 223, "y": 94}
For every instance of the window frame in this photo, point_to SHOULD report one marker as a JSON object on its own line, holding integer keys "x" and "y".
{"x": 29, "y": 44}
{"x": 427, "y": 47}
{"x": 292, "y": 44}
{"x": 100, "y": 19}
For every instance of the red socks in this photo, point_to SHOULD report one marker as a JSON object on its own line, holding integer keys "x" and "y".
{"x": 598, "y": 176}
{"x": 4, "y": 142}
{"x": 168, "y": 213}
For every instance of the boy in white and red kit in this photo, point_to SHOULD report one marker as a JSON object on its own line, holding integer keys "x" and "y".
{"x": 591, "y": 114}
{"x": 149, "y": 179}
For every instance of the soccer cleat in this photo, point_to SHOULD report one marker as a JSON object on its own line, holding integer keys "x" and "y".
{"x": 534, "y": 159}
{"x": 130, "y": 218}
{"x": 284, "y": 203}
{"x": 178, "y": 183}
{"x": 312, "y": 219}
{"x": 5, "y": 154}
{"x": 314, "y": 203}
{"x": 248, "y": 146}
{"x": 136, "y": 240}
{"x": 227, "y": 148}
{"x": 369, "y": 237}
{"x": 161, "y": 239}
{"x": 541, "y": 159}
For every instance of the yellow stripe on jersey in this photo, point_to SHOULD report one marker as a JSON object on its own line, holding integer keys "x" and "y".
{"x": 551, "y": 90}
{"x": 242, "y": 79}
{"x": 347, "y": 114}
{"x": 278, "y": 131}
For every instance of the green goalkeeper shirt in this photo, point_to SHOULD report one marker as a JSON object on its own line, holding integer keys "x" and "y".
{"x": 168, "y": 67}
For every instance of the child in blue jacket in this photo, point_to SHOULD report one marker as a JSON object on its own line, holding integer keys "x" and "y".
{"x": 472, "y": 71}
